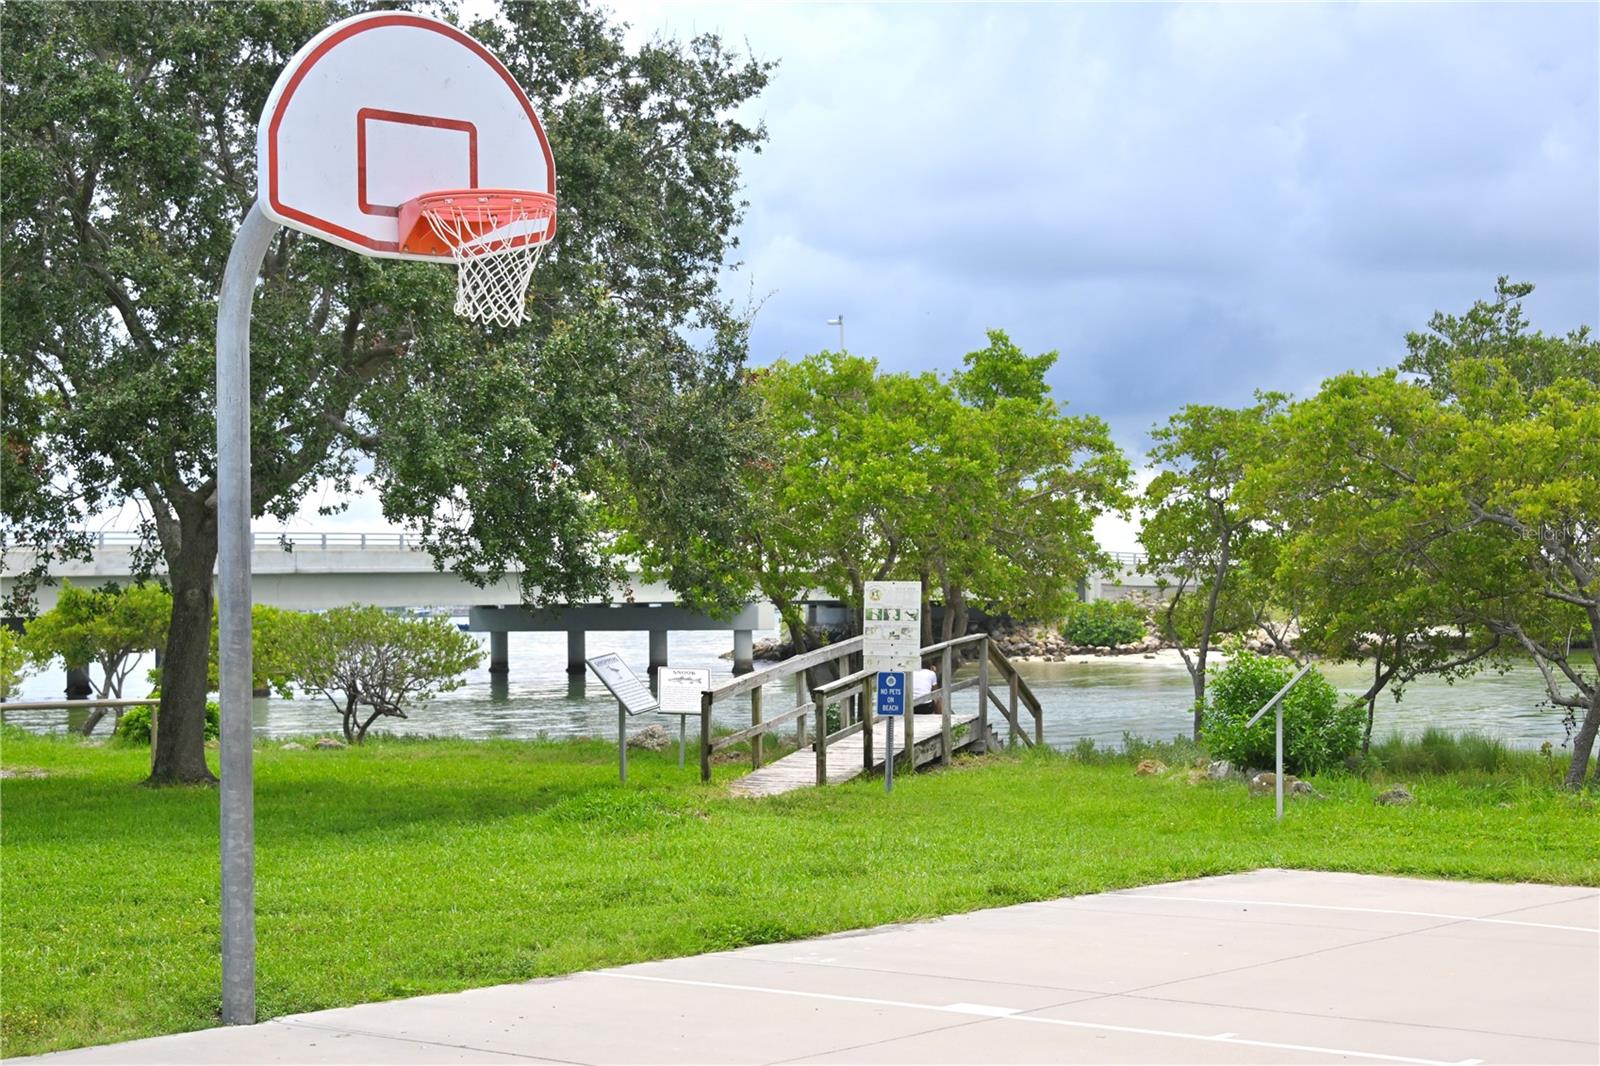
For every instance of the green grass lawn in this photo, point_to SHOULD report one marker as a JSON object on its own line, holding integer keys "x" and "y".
{"x": 429, "y": 866}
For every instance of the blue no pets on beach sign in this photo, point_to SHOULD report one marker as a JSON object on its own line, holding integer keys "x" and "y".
{"x": 891, "y": 693}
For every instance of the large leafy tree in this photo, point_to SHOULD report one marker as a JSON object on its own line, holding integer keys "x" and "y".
{"x": 128, "y": 141}
{"x": 1219, "y": 548}
{"x": 1469, "y": 492}
{"x": 978, "y": 485}
{"x": 107, "y": 627}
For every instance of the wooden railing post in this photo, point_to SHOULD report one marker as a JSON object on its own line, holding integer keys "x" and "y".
{"x": 705, "y": 736}
{"x": 867, "y": 707}
{"x": 799, "y": 698}
{"x": 755, "y": 719}
{"x": 822, "y": 740}
{"x": 983, "y": 697}
{"x": 911, "y": 730}
{"x": 1011, "y": 736}
{"x": 947, "y": 678}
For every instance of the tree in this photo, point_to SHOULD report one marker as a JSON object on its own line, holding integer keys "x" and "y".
{"x": 978, "y": 485}
{"x": 1473, "y": 491}
{"x": 1219, "y": 549}
{"x": 1347, "y": 558}
{"x": 365, "y": 658}
{"x": 273, "y": 639}
{"x": 13, "y": 661}
{"x": 128, "y": 135}
{"x": 108, "y": 627}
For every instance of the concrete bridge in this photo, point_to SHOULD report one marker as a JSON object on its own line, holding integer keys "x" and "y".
{"x": 315, "y": 571}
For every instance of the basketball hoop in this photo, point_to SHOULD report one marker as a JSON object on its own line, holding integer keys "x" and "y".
{"x": 495, "y": 236}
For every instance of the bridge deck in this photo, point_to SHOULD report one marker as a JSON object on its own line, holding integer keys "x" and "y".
{"x": 799, "y": 769}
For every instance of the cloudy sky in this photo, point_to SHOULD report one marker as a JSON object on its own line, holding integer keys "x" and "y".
{"x": 1188, "y": 202}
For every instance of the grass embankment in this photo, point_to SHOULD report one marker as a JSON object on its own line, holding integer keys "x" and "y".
{"x": 427, "y": 866}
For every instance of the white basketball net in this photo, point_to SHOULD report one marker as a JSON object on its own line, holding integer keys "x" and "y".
{"x": 494, "y": 267}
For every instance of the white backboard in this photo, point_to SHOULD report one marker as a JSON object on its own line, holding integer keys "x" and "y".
{"x": 384, "y": 107}
{"x": 680, "y": 689}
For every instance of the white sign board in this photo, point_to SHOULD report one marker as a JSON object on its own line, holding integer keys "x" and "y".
{"x": 623, "y": 683}
{"x": 891, "y": 626}
{"x": 680, "y": 689}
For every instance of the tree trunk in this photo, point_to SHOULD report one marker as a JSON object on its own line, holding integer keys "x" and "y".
{"x": 180, "y": 753}
{"x": 1583, "y": 742}
{"x": 93, "y": 720}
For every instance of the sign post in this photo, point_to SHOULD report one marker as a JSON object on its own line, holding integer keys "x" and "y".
{"x": 680, "y": 695}
{"x": 891, "y": 705}
{"x": 632, "y": 698}
{"x": 891, "y": 640}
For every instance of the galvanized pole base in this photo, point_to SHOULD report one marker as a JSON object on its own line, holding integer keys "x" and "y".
{"x": 233, "y": 593}
{"x": 622, "y": 741}
{"x": 888, "y": 756}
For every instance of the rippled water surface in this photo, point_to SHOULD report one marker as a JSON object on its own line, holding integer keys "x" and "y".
{"x": 1101, "y": 700}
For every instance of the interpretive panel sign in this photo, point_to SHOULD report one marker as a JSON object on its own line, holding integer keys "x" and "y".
{"x": 680, "y": 689}
{"x": 891, "y": 625}
{"x": 623, "y": 683}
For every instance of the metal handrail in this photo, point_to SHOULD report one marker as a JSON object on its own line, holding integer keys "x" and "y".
{"x": 1277, "y": 701}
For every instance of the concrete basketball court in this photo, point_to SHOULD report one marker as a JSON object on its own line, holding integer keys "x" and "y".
{"x": 1270, "y": 966}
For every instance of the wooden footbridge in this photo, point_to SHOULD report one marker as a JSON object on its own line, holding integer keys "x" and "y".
{"x": 854, "y": 742}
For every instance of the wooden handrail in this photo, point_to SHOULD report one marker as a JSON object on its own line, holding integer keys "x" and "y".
{"x": 788, "y": 668}
{"x": 935, "y": 649}
{"x": 767, "y": 726}
{"x": 74, "y": 705}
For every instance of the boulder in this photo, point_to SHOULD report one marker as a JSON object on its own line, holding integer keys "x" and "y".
{"x": 1303, "y": 788}
{"x": 1398, "y": 796}
{"x": 1220, "y": 770}
{"x": 1266, "y": 783}
{"x": 1150, "y": 767}
{"x": 650, "y": 738}
{"x": 292, "y": 746}
{"x": 328, "y": 742}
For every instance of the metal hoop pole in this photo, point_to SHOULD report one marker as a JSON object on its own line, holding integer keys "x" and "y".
{"x": 233, "y": 621}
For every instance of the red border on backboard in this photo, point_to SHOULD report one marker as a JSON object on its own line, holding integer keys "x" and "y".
{"x": 402, "y": 118}
{"x": 397, "y": 19}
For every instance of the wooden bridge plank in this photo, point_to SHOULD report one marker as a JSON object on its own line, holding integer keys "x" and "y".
{"x": 845, "y": 757}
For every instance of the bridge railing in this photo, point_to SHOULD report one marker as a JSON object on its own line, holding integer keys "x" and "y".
{"x": 852, "y": 694}
{"x": 339, "y": 539}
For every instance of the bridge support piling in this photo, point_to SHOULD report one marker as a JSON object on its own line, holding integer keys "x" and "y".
{"x": 499, "y": 652}
{"x": 744, "y": 651}
{"x": 658, "y": 650}
{"x": 79, "y": 687}
{"x": 576, "y": 659}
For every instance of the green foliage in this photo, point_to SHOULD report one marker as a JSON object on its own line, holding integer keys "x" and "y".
{"x": 1104, "y": 623}
{"x": 363, "y": 657}
{"x": 1200, "y": 528}
{"x": 536, "y": 856}
{"x": 129, "y": 141}
{"x": 1456, "y": 515}
{"x": 134, "y": 725}
{"x": 977, "y": 485}
{"x": 1320, "y": 727}
{"x": 13, "y": 661}
{"x": 107, "y": 627}
{"x": 272, "y": 640}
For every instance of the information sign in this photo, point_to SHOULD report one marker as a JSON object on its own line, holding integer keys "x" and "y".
{"x": 623, "y": 683}
{"x": 680, "y": 695}
{"x": 891, "y": 693}
{"x": 680, "y": 689}
{"x": 891, "y": 625}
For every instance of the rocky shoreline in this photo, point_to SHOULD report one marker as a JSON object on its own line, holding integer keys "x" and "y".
{"x": 1035, "y": 643}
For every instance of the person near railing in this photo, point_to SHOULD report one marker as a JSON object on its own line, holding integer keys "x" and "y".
{"x": 923, "y": 682}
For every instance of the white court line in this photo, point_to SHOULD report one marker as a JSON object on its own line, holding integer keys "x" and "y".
{"x": 966, "y": 1009}
{"x": 1358, "y": 910}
